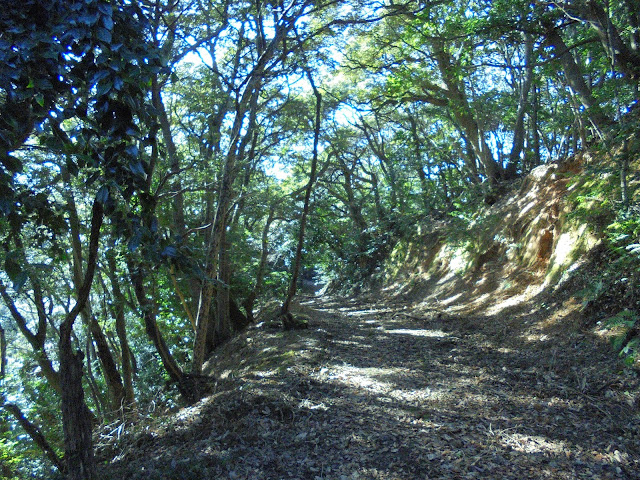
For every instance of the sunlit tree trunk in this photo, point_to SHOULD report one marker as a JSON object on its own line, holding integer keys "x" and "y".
{"x": 297, "y": 261}
{"x": 535, "y": 131}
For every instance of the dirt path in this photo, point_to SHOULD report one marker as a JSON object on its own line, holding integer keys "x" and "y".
{"x": 384, "y": 392}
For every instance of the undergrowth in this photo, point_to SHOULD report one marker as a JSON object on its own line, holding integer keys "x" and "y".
{"x": 609, "y": 202}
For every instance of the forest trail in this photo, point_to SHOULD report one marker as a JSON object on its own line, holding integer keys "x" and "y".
{"x": 382, "y": 391}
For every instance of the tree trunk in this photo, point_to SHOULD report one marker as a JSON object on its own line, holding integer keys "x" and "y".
{"x": 121, "y": 331}
{"x": 98, "y": 401}
{"x": 217, "y": 270}
{"x": 575, "y": 79}
{"x": 37, "y": 341}
{"x": 537, "y": 159}
{"x": 377, "y": 146}
{"x": 240, "y": 134}
{"x": 293, "y": 285}
{"x": 174, "y": 159}
{"x": 203, "y": 319}
{"x": 257, "y": 289}
{"x": 625, "y": 58}
{"x": 624, "y": 171}
{"x": 216, "y": 253}
{"x": 237, "y": 320}
{"x": 223, "y": 328}
{"x": 3, "y": 353}
{"x": 109, "y": 369}
{"x": 422, "y": 176}
{"x": 461, "y": 110}
{"x": 518, "y": 129}
{"x": 76, "y": 418}
{"x": 151, "y": 326}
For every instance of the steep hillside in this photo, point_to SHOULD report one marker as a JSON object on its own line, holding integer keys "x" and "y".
{"x": 551, "y": 245}
{"x": 524, "y": 243}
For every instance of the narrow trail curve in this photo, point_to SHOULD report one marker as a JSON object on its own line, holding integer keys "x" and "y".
{"x": 374, "y": 392}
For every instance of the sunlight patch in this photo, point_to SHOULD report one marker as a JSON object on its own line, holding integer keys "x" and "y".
{"x": 514, "y": 300}
{"x": 306, "y": 403}
{"x": 362, "y": 313}
{"x": 452, "y": 299}
{"x": 265, "y": 373}
{"x": 419, "y": 333}
{"x": 349, "y": 342}
{"x": 531, "y": 443}
{"x": 421, "y": 396}
{"x": 363, "y": 377}
{"x": 537, "y": 337}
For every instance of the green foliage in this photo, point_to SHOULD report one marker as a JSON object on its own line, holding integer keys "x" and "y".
{"x": 10, "y": 458}
{"x": 74, "y": 115}
{"x": 404, "y": 97}
{"x": 623, "y": 235}
{"x": 625, "y": 323}
{"x": 623, "y": 273}
{"x": 74, "y": 74}
{"x": 615, "y": 293}
{"x": 19, "y": 457}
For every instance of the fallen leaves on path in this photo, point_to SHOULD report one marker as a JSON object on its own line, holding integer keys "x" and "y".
{"x": 381, "y": 392}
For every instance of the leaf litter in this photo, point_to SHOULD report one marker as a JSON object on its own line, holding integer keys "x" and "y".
{"x": 392, "y": 391}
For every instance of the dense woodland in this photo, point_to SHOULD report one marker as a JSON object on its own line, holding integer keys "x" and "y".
{"x": 168, "y": 165}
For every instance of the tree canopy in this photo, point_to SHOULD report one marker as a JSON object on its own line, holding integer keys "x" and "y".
{"x": 165, "y": 165}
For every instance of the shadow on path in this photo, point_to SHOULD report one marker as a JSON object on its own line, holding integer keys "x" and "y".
{"x": 371, "y": 392}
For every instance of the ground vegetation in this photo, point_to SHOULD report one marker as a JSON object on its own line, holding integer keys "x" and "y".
{"x": 169, "y": 167}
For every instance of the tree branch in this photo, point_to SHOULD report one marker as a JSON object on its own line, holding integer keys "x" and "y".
{"x": 36, "y": 435}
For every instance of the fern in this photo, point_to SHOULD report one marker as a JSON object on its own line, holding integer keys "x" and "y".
{"x": 626, "y": 342}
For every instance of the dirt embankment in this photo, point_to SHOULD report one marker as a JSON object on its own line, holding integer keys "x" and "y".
{"x": 513, "y": 251}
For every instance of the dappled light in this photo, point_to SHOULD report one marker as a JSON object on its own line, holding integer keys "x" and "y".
{"x": 417, "y": 333}
{"x": 366, "y": 378}
{"x": 319, "y": 240}
{"x": 395, "y": 394}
